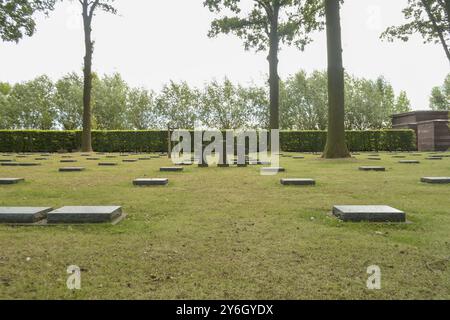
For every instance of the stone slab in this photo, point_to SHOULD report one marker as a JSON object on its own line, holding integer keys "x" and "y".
{"x": 20, "y": 164}
{"x": 84, "y": 214}
{"x": 273, "y": 169}
{"x": 151, "y": 182}
{"x": 6, "y": 160}
{"x": 374, "y": 158}
{"x": 92, "y": 159}
{"x": 108, "y": 164}
{"x": 298, "y": 182}
{"x": 298, "y": 157}
{"x": 71, "y": 169}
{"x": 369, "y": 213}
{"x": 371, "y": 168}
{"x": 409, "y": 161}
{"x": 4, "y": 181}
{"x": 130, "y": 160}
{"x": 436, "y": 180}
{"x": 433, "y": 158}
{"x": 23, "y": 214}
{"x": 68, "y": 161}
{"x": 171, "y": 169}
{"x": 145, "y": 158}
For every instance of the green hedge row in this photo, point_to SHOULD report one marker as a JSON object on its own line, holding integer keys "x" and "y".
{"x": 371, "y": 140}
{"x": 156, "y": 141}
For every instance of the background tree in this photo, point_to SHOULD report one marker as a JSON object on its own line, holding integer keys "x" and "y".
{"x": 68, "y": 101}
{"x": 429, "y": 18}
{"x": 141, "y": 109}
{"x": 110, "y": 103}
{"x": 226, "y": 106}
{"x": 265, "y": 26}
{"x": 440, "y": 96}
{"x": 336, "y": 146}
{"x": 31, "y": 105}
{"x": 304, "y": 101}
{"x": 178, "y": 105}
{"x": 89, "y": 9}
{"x": 17, "y": 17}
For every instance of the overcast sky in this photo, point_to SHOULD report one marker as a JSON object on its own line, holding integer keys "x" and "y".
{"x": 152, "y": 42}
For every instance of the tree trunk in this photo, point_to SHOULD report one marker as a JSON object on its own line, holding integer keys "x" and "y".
{"x": 86, "y": 140}
{"x": 274, "y": 80}
{"x": 336, "y": 146}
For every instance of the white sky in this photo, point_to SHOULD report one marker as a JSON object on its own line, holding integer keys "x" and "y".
{"x": 152, "y": 42}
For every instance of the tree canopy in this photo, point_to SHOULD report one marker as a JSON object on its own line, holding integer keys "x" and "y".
{"x": 429, "y": 18}
{"x": 17, "y": 17}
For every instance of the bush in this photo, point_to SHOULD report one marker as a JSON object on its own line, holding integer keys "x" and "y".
{"x": 156, "y": 141}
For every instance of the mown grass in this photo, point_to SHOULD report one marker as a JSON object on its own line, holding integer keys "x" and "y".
{"x": 230, "y": 233}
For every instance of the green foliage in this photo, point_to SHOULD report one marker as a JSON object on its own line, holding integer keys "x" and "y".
{"x": 370, "y": 140}
{"x": 304, "y": 102}
{"x": 429, "y": 18}
{"x": 440, "y": 96}
{"x": 110, "y": 100}
{"x": 69, "y": 101}
{"x": 155, "y": 141}
{"x": 293, "y": 19}
{"x": 178, "y": 105}
{"x": 141, "y": 109}
{"x": 30, "y": 104}
{"x": 368, "y": 104}
{"x": 17, "y": 17}
{"x": 37, "y": 104}
{"x": 227, "y": 106}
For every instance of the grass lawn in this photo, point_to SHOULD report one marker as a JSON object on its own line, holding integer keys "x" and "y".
{"x": 230, "y": 233}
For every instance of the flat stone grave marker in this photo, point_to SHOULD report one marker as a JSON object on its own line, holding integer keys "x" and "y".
{"x": 85, "y": 155}
{"x": 298, "y": 182}
{"x": 6, "y": 160}
{"x": 4, "y": 181}
{"x": 436, "y": 180}
{"x": 273, "y": 169}
{"x": 374, "y": 158}
{"x": 92, "y": 159}
{"x": 433, "y": 158}
{"x": 67, "y": 157}
{"x": 373, "y": 155}
{"x": 151, "y": 182}
{"x": 398, "y": 157}
{"x": 23, "y": 214}
{"x": 171, "y": 169}
{"x": 111, "y": 157}
{"x": 21, "y": 156}
{"x": 108, "y": 164}
{"x": 20, "y": 164}
{"x": 369, "y": 213}
{"x": 372, "y": 168}
{"x": 71, "y": 169}
{"x": 145, "y": 158}
{"x": 68, "y": 161}
{"x": 298, "y": 157}
{"x": 40, "y": 159}
{"x": 84, "y": 215}
{"x": 45, "y": 155}
{"x": 130, "y": 160}
{"x": 409, "y": 161}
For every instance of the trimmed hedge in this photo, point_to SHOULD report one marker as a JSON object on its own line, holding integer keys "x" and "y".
{"x": 371, "y": 140}
{"x": 156, "y": 141}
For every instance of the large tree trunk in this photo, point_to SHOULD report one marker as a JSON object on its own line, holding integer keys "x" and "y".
{"x": 274, "y": 80}
{"x": 336, "y": 146}
{"x": 86, "y": 141}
